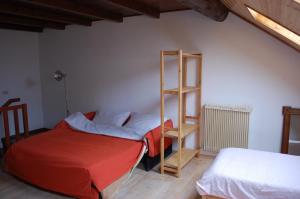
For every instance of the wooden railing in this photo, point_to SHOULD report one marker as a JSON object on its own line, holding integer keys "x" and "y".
{"x": 287, "y": 112}
{"x": 4, "y": 110}
{"x": 10, "y": 101}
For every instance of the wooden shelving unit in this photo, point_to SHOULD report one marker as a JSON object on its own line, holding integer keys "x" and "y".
{"x": 179, "y": 159}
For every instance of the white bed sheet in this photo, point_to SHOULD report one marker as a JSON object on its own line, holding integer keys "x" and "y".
{"x": 250, "y": 174}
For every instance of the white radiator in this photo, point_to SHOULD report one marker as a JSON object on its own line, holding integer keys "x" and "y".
{"x": 225, "y": 126}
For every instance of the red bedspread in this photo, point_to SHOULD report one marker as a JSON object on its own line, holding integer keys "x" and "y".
{"x": 72, "y": 162}
{"x": 76, "y": 163}
{"x": 153, "y": 138}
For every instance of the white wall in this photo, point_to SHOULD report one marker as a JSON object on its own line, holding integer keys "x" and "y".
{"x": 116, "y": 66}
{"x": 20, "y": 73}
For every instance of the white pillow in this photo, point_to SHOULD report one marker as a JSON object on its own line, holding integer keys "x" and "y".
{"x": 143, "y": 122}
{"x": 111, "y": 118}
{"x": 80, "y": 123}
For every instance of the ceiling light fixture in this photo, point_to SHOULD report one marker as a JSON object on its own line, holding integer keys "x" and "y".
{"x": 275, "y": 26}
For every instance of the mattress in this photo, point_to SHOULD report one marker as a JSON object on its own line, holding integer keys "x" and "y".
{"x": 250, "y": 174}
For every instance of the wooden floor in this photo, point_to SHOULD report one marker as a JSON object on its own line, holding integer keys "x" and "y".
{"x": 142, "y": 184}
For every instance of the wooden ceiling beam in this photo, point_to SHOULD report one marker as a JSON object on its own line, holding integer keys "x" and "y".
{"x": 77, "y": 8}
{"x": 138, "y": 6}
{"x": 11, "y": 19}
{"x": 213, "y": 9}
{"x": 18, "y": 9}
{"x": 19, "y": 27}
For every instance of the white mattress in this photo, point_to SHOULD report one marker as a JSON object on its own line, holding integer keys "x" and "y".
{"x": 250, "y": 174}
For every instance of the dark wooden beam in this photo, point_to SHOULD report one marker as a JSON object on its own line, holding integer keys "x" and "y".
{"x": 138, "y": 6}
{"x": 213, "y": 9}
{"x": 20, "y": 9}
{"x": 18, "y": 27}
{"x": 77, "y": 8}
{"x": 11, "y": 19}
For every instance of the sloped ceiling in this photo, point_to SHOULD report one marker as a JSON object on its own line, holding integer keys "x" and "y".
{"x": 284, "y": 12}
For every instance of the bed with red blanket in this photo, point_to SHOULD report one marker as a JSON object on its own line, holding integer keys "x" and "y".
{"x": 75, "y": 163}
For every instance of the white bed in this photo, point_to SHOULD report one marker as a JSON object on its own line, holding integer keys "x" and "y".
{"x": 250, "y": 174}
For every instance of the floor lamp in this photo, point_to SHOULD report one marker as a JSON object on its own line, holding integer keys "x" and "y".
{"x": 59, "y": 76}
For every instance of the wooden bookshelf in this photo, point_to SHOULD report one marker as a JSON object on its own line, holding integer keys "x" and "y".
{"x": 186, "y": 156}
{"x": 186, "y": 130}
{"x": 187, "y": 89}
{"x": 182, "y": 156}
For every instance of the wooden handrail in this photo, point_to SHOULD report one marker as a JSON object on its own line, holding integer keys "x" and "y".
{"x": 10, "y": 101}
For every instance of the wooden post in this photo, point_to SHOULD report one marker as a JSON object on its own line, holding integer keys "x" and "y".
{"x": 16, "y": 120}
{"x": 286, "y": 129}
{"x": 184, "y": 97}
{"x": 25, "y": 120}
{"x": 6, "y": 129}
{"x": 198, "y": 105}
{"x": 179, "y": 113}
{"x": 162, "y": 108}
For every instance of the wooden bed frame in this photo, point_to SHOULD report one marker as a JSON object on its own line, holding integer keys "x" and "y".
{"x": 148, "y": 163}
{"x": 113, "y": 189}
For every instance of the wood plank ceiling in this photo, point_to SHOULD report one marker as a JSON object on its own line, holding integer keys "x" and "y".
{"x": 36, "y": 15}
